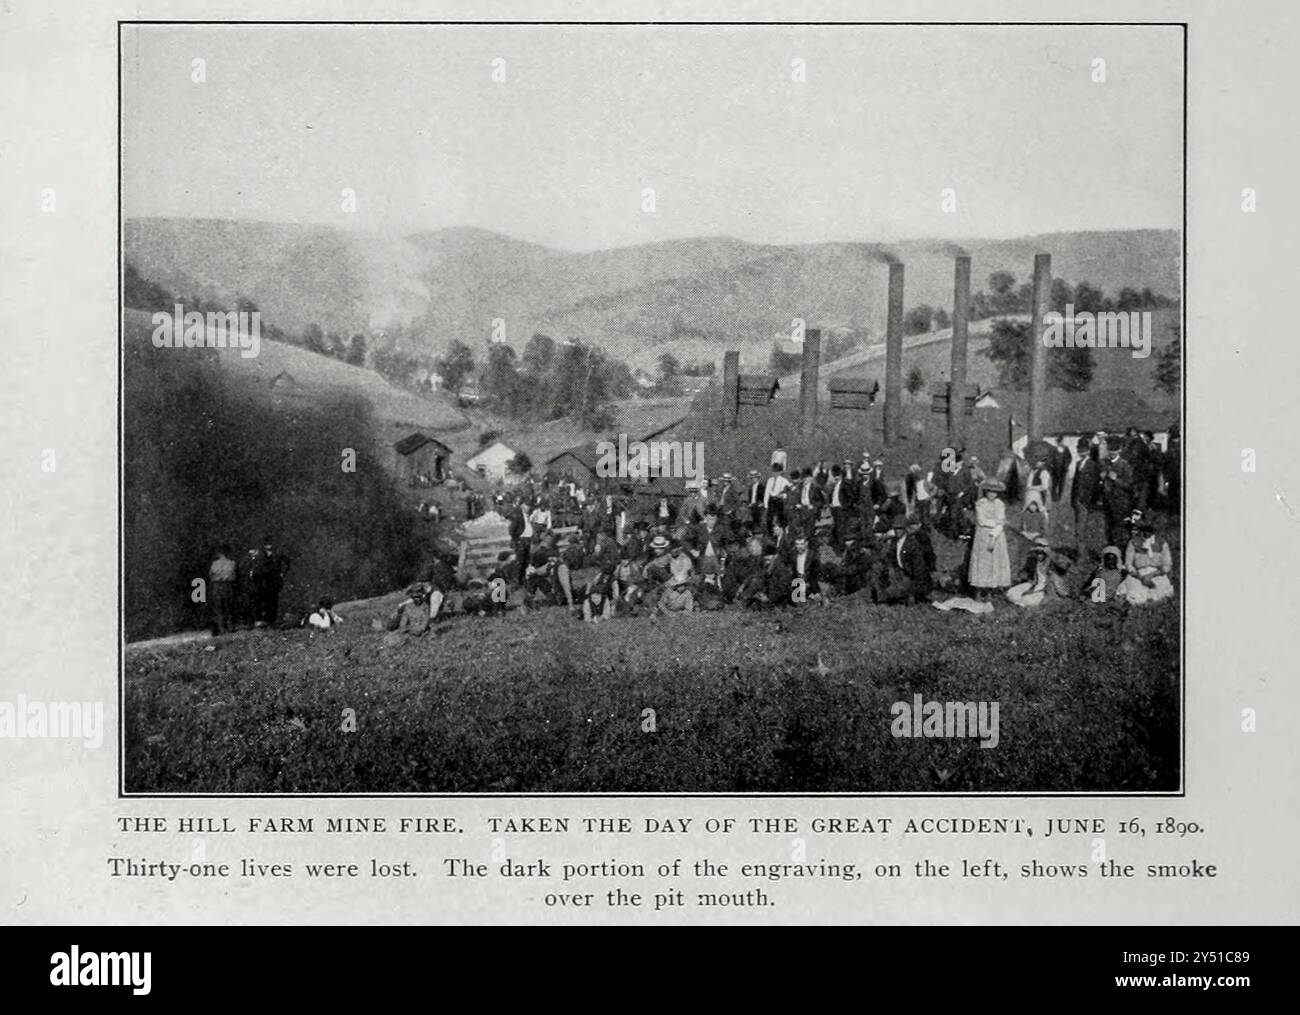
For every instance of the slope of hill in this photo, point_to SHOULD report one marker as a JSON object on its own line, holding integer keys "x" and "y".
{"x": 291, "y": 376}
{"x": 692, "y": 297}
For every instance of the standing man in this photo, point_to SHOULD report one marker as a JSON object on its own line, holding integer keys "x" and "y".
{"x": 1117, "y": 496}
{"x": 755, "y": 496}
{"x": 1085, "y": 492}
{"x": 221, "y": 584}
{"x": 521, "y": 533}
{"x": 774, "y": 497}
{"x": 809, "y": 498}
{"x": 839, "y": 495}
{"x": 268, "y": 579}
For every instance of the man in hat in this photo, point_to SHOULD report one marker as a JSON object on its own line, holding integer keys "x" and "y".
{"x": 710, "y": 537}
{"x": 839, "y": 497}
{"x": 910, "y": 575}
{"x": 808, "y": 501}
{"x": 726, "y": 496}
{"x": 268, "y": 579}
{"x": 678, "y": 594}
{"x": 891, "y": 515}
{"x": 876, "y": 488}
{"x": 1085, "y": 494}
{"x": 755, "y": 495}
{"x": 774, "y": 494}
{"x": 411, "y": 617}
{"x": 1117, "y": 495}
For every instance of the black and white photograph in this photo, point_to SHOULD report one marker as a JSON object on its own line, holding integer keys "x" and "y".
{"x": 728, "y": 409}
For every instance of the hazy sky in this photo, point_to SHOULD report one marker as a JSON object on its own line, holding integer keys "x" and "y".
{"x": 559, "y": 153}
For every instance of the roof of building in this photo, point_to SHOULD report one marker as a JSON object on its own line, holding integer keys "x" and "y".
{"x": 491, "y": 451}
{"x": 855, "y": 385}
{"x": 1078, "y": 412}
{"x": 413, "y": 442}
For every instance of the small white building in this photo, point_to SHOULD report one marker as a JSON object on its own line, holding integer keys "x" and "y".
{"x": 493, "y": 461}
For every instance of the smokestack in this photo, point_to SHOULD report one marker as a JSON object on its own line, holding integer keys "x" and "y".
{"x": 957, "y": 371}
{"x": 894, "y": 355}
{"x": 1037, "y": 352}
{"x": 730, "y": 389}
{"x": 812, "y": 358}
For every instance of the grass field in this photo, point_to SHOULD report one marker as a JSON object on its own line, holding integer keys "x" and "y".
{"x": 743, "y": 702}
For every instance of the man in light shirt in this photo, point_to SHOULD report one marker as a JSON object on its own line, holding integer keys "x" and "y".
{"x": 774, "y": 497}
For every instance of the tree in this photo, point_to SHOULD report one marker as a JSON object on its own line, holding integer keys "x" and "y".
{"x": 1070, "y": 369}
{"x": 1169, "y": 365}
{"x": 1008, "y": 347}
{"x": 488, "y": 437}
{"x": 941, "y": 319}
{"x": 917, "y": 320}
{"x": 1128, "y": 299}
{"x": 1087, "y": 298}
{"x": 357, "y": 350}
{"x": 539, "y": 354}
{"x": 456, "y": 365}
{"x": 520, "y": 465}
{"x": 313, "y": 338}
{"x": 501, "y": 376}
{"x": 669, "y": 368}
{"x": 1002, "y": 283}
{"x": 1061, "y": 295}
{"x": 915, "y": 381}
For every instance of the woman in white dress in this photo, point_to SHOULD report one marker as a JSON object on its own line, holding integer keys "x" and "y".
{"x": 990, "y": 566}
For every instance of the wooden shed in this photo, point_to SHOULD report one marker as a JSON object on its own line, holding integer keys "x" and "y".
{"x": 757, "y": 389}
{"x": 854, "y": 392}
{"x": 421, "y": 459}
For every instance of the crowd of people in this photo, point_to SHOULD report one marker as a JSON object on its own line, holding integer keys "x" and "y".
{"x": 245, "y": 592}
{"x": 795, "y": 537}
{"x": 811, "y": 534}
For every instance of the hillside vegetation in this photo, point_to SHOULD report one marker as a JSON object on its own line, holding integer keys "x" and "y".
{"x": 691, "y": 296}
{"x": 210, "y": 458}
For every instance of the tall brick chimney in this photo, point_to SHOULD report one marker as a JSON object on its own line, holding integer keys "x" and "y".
{"x": 957, "y": 370}
{"x": 1037, "y": 351}
{"x": 730, "y": 389}
{"x": 812, "y": 358}
{"x": 894, "y": 355}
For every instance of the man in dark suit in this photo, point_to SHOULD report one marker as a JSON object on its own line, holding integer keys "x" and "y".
{"x": 1117, "y": 496}
{"x": 521, "y": 533}
{"x": 1085, "y": 492}
{"x": 839, "y": 496}
{"x": 710, "y": 537}
{"x": 808, "y": 499}
{"x": 912, "y": 567}
{"x": 754, "y": 495}
{"x": 804, "y": 569}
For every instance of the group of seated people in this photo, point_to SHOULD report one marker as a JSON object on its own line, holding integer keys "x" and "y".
{"x": 713, "y": 564}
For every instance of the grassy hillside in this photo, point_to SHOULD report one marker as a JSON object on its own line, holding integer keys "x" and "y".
{"x": 210, "y": 457}
{"x": 691, "y": 296}
{"x": 743, "y": 702}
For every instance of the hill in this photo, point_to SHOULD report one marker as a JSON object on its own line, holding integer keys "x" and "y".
{"x": 692, "y": 297}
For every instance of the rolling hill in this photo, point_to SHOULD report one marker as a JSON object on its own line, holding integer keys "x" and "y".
{"x": 692, "y": 297}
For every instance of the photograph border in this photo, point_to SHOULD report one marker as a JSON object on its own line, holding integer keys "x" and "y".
{"x": 122, "y": 793}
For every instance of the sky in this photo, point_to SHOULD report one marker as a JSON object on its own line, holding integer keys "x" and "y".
{"x": 561, "y": 153}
